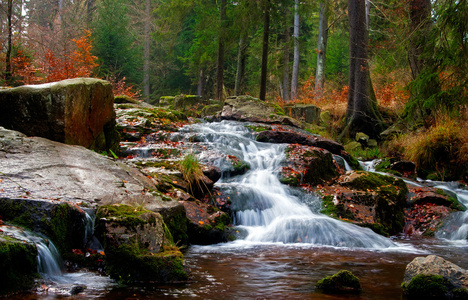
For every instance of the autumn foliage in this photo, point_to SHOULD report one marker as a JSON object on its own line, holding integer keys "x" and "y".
{"x": 79, "y": 63}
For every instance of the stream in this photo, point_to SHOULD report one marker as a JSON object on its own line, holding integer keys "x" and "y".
{"x": 286, "y": 245}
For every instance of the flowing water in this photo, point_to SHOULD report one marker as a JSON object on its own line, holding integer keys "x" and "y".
{"x": 286, "y": 244}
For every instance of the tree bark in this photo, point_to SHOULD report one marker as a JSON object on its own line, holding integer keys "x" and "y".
{"x": 321, "y": 50}
{"x": 361, "y": 114}
{"x": 146, "y": 51}
{"x": 266, "y": 36}
{"x": 201, "y": 83}
{"x": 286, "y": 80}
{"x": 9, "y": 41}
{"x": 241, "y": 56}
{"x": 221, "y": 45}
{"x": 295, "y": 70}
{"x": 420, "y": 13}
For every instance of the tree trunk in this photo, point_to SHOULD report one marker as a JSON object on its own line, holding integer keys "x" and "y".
{"x": 295, "y": 70}
{"x": 286, "y": 88}
{"x": 322, "y": 50}
{"x": 220, "y": 68}
{"x": 420, "y": 13}
{"x": 266, "y": 36}
{"x": 9, "y": 41}
{"x": 201, "y": 83}
{"x": 241, "y": 56}
{"x": 146, "y": 51}
{"x": 361, "y": 113}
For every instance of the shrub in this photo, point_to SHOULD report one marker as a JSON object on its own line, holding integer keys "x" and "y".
{"x": 191, "y": 170}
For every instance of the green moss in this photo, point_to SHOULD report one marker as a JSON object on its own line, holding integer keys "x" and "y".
{"x": 128, "y": 266}
{"x": 290, "y": 180}
{"x": 427, "y": 287}
{"x": 278, "y": 110}
{"x": 65, "y": 228}
{"x": 258, "y": 128}
{"x": 17, "y": 213}
{"x": 454, "y": 203}
{"x": 460, "y": 293}
{"x": 335, "y": 211}
{"x": 240, "y": 167}
{"x": 342, "y": 282}
{"x": 18, "y": 265}
{"x": 178, "y": 226}
{"x": 125, "y": 215}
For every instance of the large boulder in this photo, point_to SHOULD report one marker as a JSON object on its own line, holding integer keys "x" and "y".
{"x": 74, "y": 111}
{"x": 367, "y": 199}
{"x": 294, "y": 137}
{"x": 308, "y": 165}
{"x": 249, "y": 109}
{"x": 343, "y": 282}
{"x": 138, "y": 245}
{"x": 308, "y": 113}
{"x": 433, "y": 277}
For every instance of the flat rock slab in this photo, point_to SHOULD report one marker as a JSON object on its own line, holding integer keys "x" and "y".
{"x": 37, "y": 168}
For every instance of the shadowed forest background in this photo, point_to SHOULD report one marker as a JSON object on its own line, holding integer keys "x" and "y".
{"x": 411, "y": 61}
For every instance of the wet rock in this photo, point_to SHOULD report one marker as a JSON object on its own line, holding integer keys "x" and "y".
{"x": 62, "y": 222}
{"x": 18, "y": 265}
{"x": 343, "y": 282}
{"x": 77, "y": 289}
{"x": 294, "y": 137}
{"x": 208, "y": 225}
{"x": 433, "y": 277}
{"x": 213, "y": 173}
{"x": 367, "y": 199}
{"x": 362, "y": 138}
{"x": 308, "y": 165}
{"x": 428, "y": 209}
{"x": 74, "y": 111}
{"x": 138, "y": 245}
{"x": 405, "y": 167}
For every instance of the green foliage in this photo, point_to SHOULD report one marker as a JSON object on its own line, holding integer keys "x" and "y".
{"x": 191, "y": 171}
{"x": 443, "y": 80}
{"x": 114, "y": 42}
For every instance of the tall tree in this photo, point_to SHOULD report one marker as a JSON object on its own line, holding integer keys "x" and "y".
{"x": 221, "y": 45}
{"x": 286, "y": 80}
{"x": 361, "y": 114}
{"x": 266, "y": 37}
{"x": 295, "y": 71}
{"x": 146, "y": 50}
{"x": 9, "y": 41}
{"x": 420, "y": 14}
{"x": 321, "y": 49}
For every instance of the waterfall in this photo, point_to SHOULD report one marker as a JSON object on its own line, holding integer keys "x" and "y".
{"x": 48, "y": 258}
{"x": 267, "y": 210}
{"x": 456, "y": 227}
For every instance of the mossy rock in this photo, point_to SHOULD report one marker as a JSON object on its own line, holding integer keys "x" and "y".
{"x": 139, "y": 246}
{"x": 429, "y": 287}
{"x": 63, "y": 223}
{"x": 343, "y": 282}
{"x": 18, "y": 265}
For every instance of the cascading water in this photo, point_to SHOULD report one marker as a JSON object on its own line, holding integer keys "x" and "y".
{"x": 269, "y": 211}
{"x": 48, "y": 258}
{"x": 456, "y": 227}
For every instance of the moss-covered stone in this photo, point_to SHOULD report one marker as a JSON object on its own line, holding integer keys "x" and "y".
{"x": 63, "y": 223}
{"x": 18, "y": 265}
{"x": 139, "y": 246}
{"x": 342, "y": 282}
{"x": 367, "y": 199}
{"x": 428, "y": 287}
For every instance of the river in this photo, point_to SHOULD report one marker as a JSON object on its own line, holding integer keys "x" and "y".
{"x": 285, "y": 244}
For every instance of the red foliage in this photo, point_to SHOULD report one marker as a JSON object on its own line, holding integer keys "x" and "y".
{"x": 23, "y": 68}
{"x": 121, "y": 88}
{"x": 79, "y": 63}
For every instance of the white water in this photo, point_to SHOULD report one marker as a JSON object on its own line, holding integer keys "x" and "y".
{"x": 267, "y": 210}
{"x": 455, "y": 227}
{"x": 48, "y": 258}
